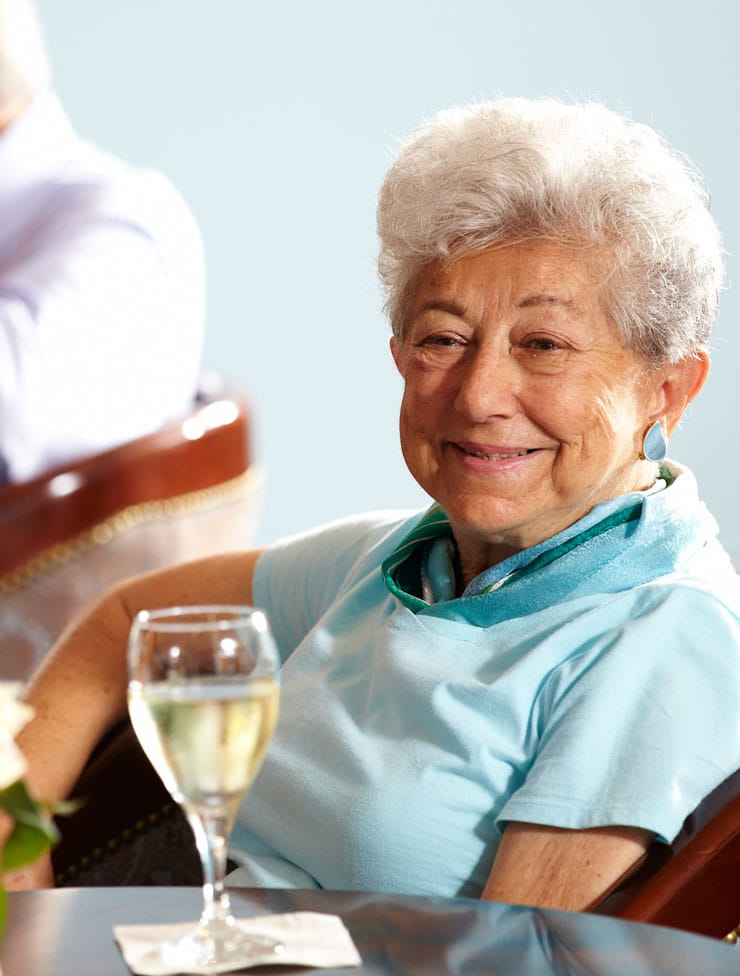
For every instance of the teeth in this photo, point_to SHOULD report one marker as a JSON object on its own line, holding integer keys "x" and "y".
{"x": 497, "y": 457}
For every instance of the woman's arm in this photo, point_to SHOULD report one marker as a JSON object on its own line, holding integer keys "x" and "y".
{"x": 79, "y": 692}
{"x": 548, "y": 867}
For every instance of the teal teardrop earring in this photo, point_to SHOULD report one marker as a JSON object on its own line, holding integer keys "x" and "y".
{"x": 654, "y": 444}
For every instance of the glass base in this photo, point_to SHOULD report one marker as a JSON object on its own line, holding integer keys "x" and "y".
{"x": 219, "y": 944}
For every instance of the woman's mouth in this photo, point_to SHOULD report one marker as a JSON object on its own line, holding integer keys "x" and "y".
{"x": 491, "y": 453}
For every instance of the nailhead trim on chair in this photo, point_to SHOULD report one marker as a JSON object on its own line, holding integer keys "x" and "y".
{"x": 124, "y": 520}
{"x": 98, "y": 853}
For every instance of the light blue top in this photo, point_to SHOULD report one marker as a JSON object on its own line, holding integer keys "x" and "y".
{"x": 603, "y": 687}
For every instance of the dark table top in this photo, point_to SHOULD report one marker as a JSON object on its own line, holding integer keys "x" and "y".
{"x": 68, "y": 932}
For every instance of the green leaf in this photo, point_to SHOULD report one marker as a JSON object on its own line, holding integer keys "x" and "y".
{"x": 23, "y": 807}
{"x": 24, "y": 845}
{"x": 33, "y": 831}
{"x": 16, "y": 799}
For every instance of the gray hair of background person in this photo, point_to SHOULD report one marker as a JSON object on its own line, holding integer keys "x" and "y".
{"x": 24, "y": 65}
{"x": 516, "y": 170}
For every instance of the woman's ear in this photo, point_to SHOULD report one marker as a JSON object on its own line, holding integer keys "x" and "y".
{"x": 681, "y": 383}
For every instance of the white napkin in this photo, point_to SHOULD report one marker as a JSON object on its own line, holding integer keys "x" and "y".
{"x": 307, "y": 939}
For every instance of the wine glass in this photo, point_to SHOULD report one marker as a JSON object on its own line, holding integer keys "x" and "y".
{"x": 203, "y": 699}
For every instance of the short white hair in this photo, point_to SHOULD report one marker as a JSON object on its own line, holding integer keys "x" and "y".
{"x": 514, "y": 170}
{"x": 24, "y": 65}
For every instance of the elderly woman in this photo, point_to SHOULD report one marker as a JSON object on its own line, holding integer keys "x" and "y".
{"x": 514, "y": 693}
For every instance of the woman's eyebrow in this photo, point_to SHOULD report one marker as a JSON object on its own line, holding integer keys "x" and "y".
{"x": 532, "y": 301}
{"x": 438, "y": 305}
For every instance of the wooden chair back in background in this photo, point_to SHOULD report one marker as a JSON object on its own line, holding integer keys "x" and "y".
{"x": 188, "y": 490}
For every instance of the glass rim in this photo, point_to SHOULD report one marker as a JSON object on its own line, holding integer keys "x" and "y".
{"x": 223, "y": 616}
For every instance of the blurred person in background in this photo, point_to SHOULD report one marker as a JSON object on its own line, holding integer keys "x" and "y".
{"x": 101, "y": 279}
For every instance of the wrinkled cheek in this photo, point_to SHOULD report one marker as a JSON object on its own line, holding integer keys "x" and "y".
{"x": 615, "y": 416}
{"x": 415, "y": 418}
{"x": 587, "y": 463}
{"x": 419, "y": 451}
{"x": 577, "y": 467}
{"x": 410, "y": 436}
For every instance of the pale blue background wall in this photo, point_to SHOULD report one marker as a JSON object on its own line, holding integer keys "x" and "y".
{"x": 277, "y": 121}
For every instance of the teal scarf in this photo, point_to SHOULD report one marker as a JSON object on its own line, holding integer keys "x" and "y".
{"x": 402, "y": 569}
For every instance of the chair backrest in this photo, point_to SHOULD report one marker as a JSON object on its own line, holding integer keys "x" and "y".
{"x": 188, "y": 490}
{"x": 694, "y": 883}
{"x": 698, "y": 889}
{"x": 127, "y": 829}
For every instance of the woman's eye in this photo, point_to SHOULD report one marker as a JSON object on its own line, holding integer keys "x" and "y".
{"x": 441, "y": 349}
{"x": 544, "y": 354}
{"x": 543, "y": 344}
{"x": 440, "y": 341}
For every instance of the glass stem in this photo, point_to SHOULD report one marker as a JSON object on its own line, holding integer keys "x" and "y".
{"x": 211, "y": 833}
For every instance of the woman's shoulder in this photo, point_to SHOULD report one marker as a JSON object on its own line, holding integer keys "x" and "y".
{"x": 360, "y": 530}
{"x": 301, "y": 575}
{"x": 341, "y": 546}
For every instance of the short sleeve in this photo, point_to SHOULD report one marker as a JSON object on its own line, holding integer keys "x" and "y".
{"x": 640, "y": 724}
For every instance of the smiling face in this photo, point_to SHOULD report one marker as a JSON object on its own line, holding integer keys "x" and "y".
{"x": 522, "y": 408}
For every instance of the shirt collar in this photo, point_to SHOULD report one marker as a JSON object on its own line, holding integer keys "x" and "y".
{"x": 424, "y": 561}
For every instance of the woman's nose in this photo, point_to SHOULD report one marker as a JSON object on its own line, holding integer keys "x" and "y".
{"x": 487, "y": 385}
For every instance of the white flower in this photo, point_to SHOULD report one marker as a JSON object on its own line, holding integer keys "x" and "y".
{"x": 13, "y": 716}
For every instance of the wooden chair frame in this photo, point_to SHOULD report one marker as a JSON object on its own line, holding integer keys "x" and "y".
{"x": 188, "y": 490}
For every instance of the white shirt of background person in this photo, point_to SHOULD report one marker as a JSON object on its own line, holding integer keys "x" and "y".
{"x": 102, "y": 281}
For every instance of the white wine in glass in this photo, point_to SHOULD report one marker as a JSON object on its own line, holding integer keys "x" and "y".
{"x": 203, "y": 699}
